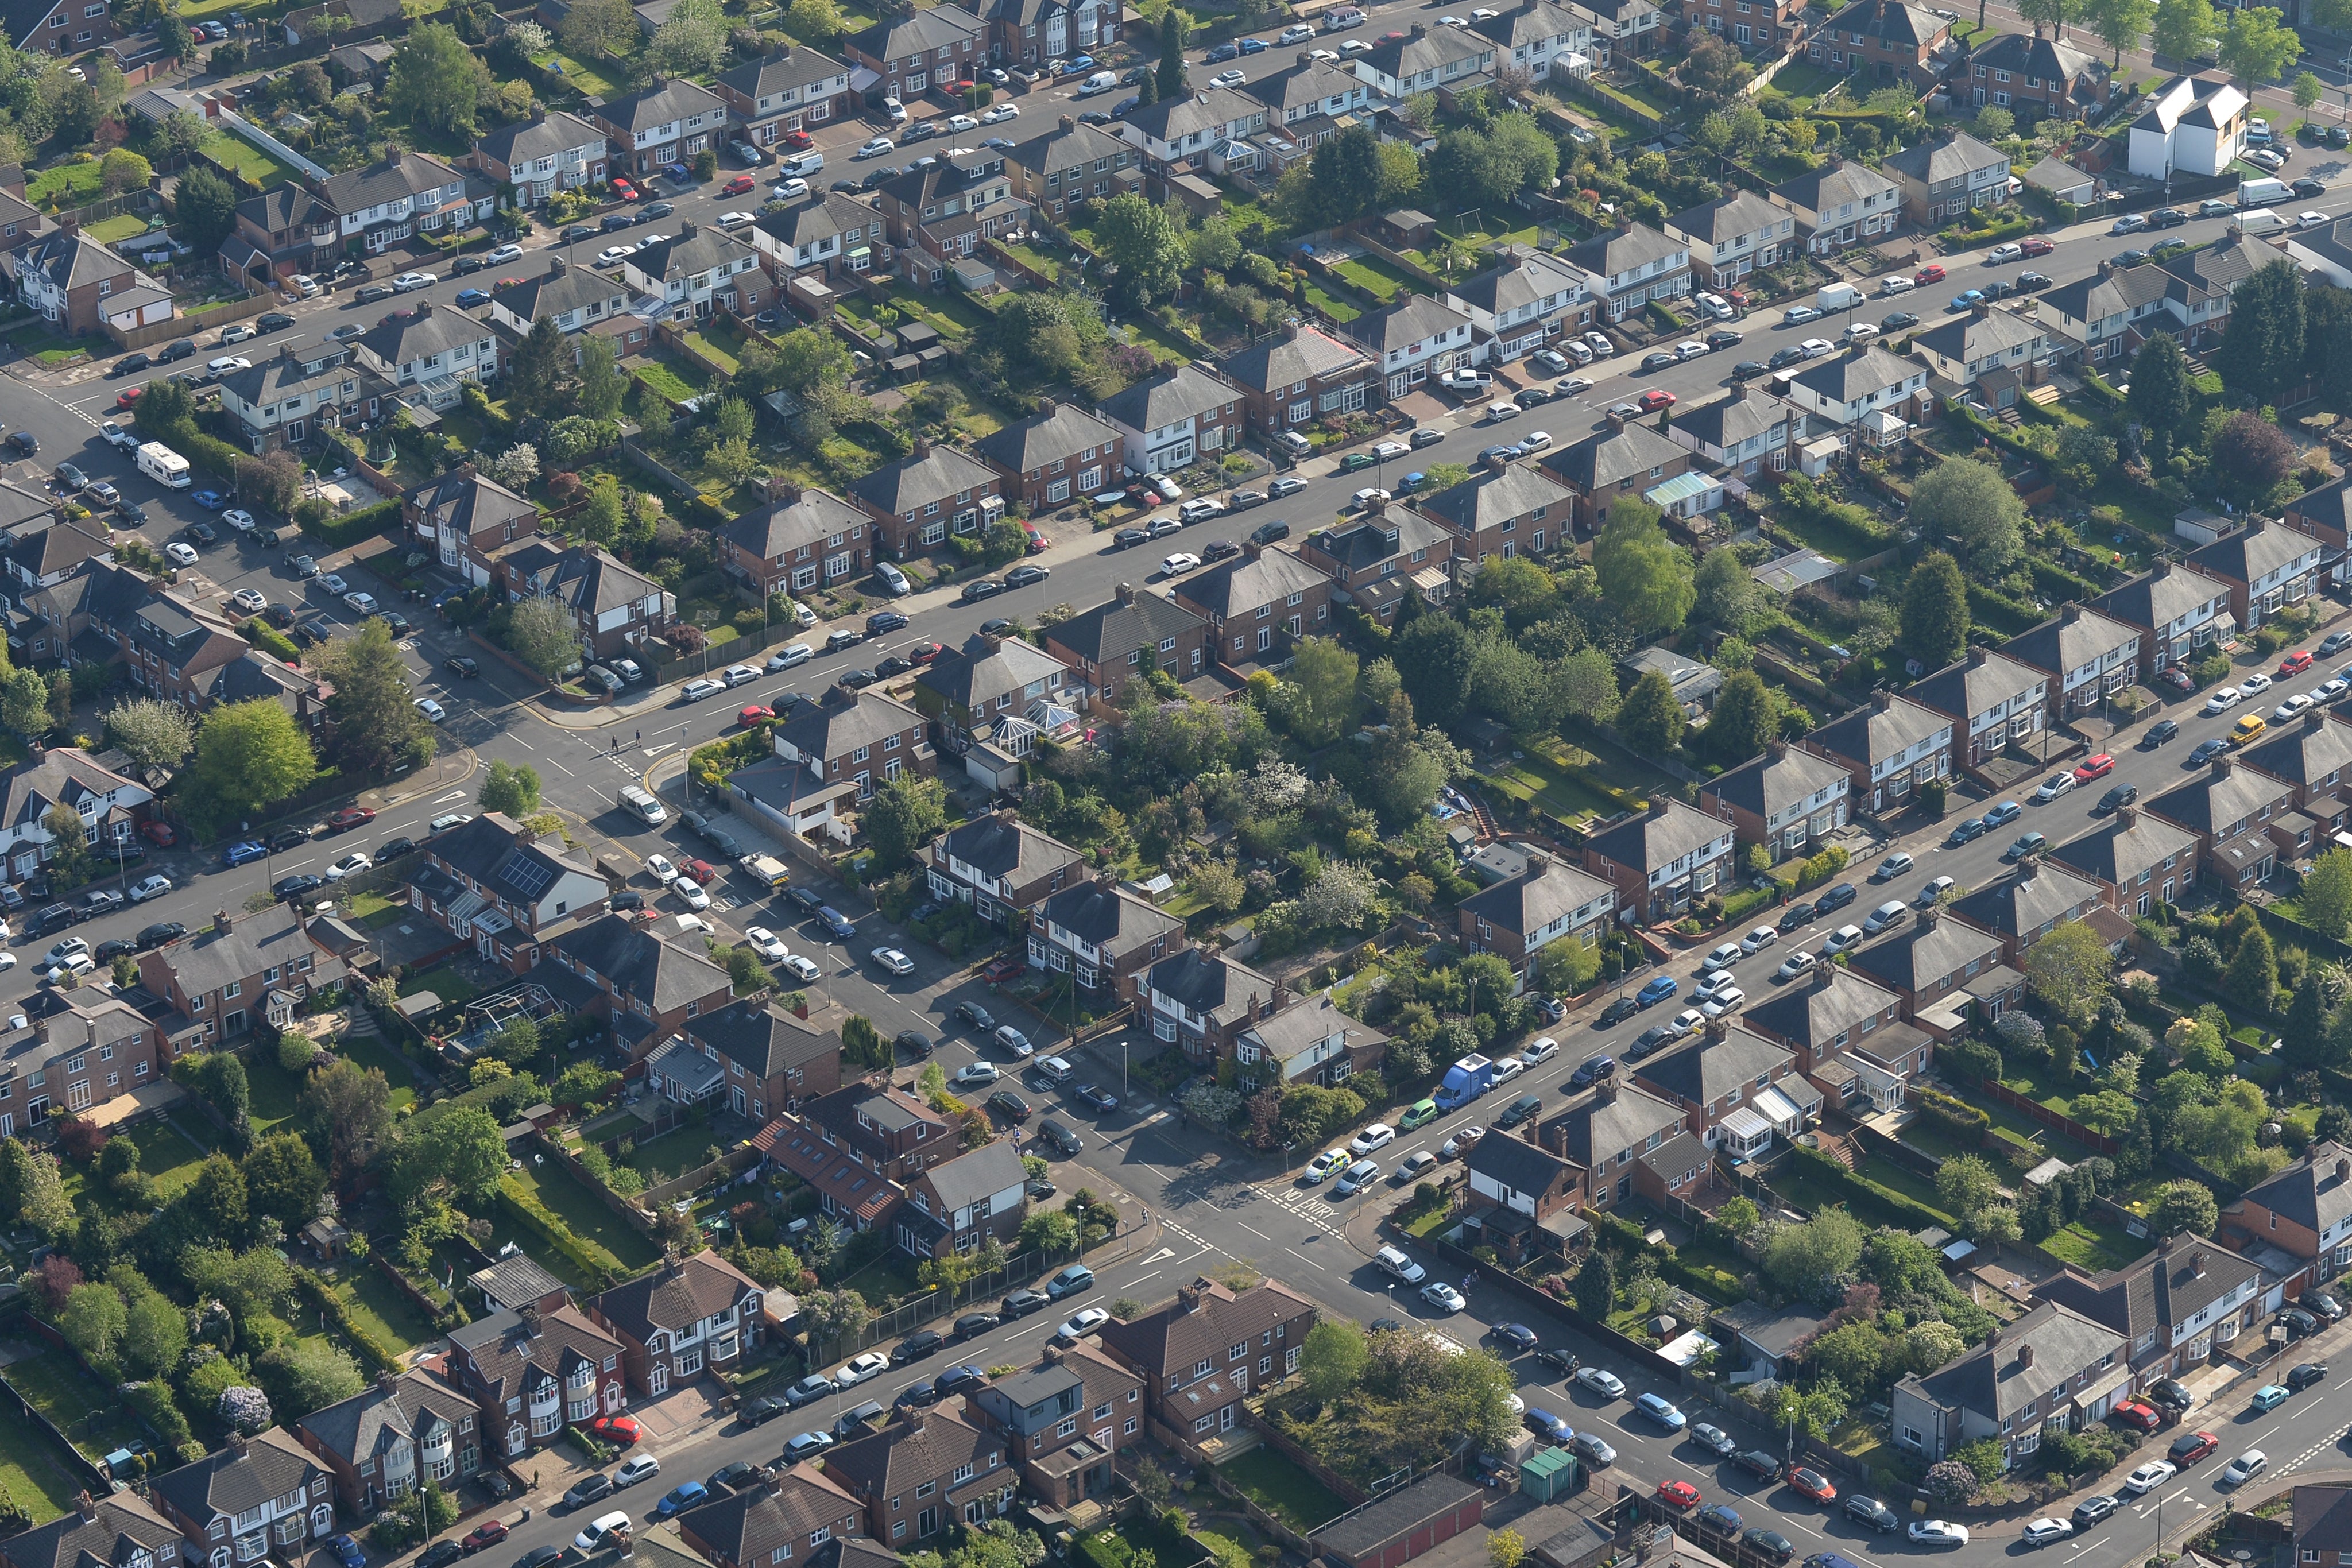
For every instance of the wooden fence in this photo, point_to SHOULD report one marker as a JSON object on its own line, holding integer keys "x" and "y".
{"x": 2035, "y": 1111}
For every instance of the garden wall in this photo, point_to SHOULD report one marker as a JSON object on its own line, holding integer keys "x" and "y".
{"x": 1640, "y": 1354}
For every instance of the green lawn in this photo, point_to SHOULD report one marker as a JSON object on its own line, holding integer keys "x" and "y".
{"x": 702, "y": 344}
{"x": 1330, "y": 304}
{"x": 586, "y": 77}
{"x": 443, "y": 981}
{"x": 235, "y": 152}
{"x": 1797, "y": 80}
{"x": 673, "y": 1154}
{"x": 122, "y": 226}
{"x": 1284, "y": 1491}
{"x": 33, "y": 1473}
{"x": 165, "y": 1154}
{"x": 1153, "y": 336}
{"x": 674, "y": 383}
{"x": 376, "y": 1306}
{"x": 372, "y": 1052}
{"x": 1375, "y": 276}
{"x": 72, "y": 183}
{"x": 85, "y": 1410}
{"x": 273, "y": 1090}
{"x": 572, "y": 1203}
{"x": 2095, "y": 1247}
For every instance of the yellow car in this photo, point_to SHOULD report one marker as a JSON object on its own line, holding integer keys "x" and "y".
{"x": 2249, "y": 727}
{"x": 1327, "y": 1164}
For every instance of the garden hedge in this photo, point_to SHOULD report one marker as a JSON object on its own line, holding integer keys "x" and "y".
{"x": 375, "y": 1355}
{"x": 1865, "y": 1198}
{"x": 269, "y": 639}
{"x": 544, "y": 1223}
{"x": 342, "y": 532}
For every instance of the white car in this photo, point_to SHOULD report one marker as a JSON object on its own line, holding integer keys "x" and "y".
{"x": 961, "y": 123}
{"x": 740, "y": 675}
{"x": 2001, "y": 253}
{"x": 1461, "y": 1143}
{"x": 1938, "y": 1533}
{"x": 1714, "y": 984}
{"x": 1899, "y": 285}
{"x": 695, "y": 923}
{"x": 2149, "y": 1476}
{"x": 735, "y": 220}
{"x": 1713, "y": 304}
{"x": 1815, "y": 347}
{"x": 238, "y": 518}
{"x": 801, "y": 968}
{"x": 1176, "y": 564}
{"x": 333, "y": 583}
{"x": 1389, "y": 450}
{"x": 1539, "y": 1050}
{"x": 2293, "y": 707}
{"x": 349, "y": 865}
{"x": 890, "y": 959}
{"x": 236, "y": 333}
{"x": 1001, "y": 113}
{"x": 660, "y": 870}
{"x": 1443, "y": 1296}
{"x": 2224, "y": 699}
{"x": 1398, "y": 1266}
{"x": 2057, "y": 784}
{"x": 790, "y": 188}
{"x": 408, "y": 282}
{"x": 249, "y": 601}
{"x": 874, "y": 147}
{"x": 1723, "y": 1002}
{"x": 432, "y": 709}
{"x": 2245, "y": 1468}
{"x": 227, "y": 362}
{"x": 1507, "y": 1068}
{"x": 1843, "y": 937}
{"x": 592, "y": 1537}
{"x": 504, "y": 254}
{"x": 1466, "y": 380}
{"x": 975, "y": 1075}
{"x": 1229, "y": 79}
{"x": 2310, "y": 220}
{"x": 695, "y": 691}
{"x": 612, "y": 254}
{"x": 2257, "y": 682}
{"x": 1380, "y": 1134}
{"x": 153, "y": 887}
{"x": 1799, "y": 314}
{"x": 766, "y": 944}
{"x": 1080, "y": 1325}
{"x": 691, "y": 893}
{"x": 1199, "y": 508}
{"x": 1606, "y": 1383}
{"x": 635, "y": 1469}
{"x": 1690, "y": 1021}
{"x": 1691, "y": 348}
{"x": 180, "y": 554}
{"x": 873, "y": 1363}
{"x": 1755, "y": 941}
{"x": 2042, "y": 1532}
{"x": 1794, "y": 965}
{"x": 1860, "y": 332}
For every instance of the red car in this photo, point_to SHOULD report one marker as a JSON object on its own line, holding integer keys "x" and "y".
{"x": 1003, "y": 970}
{"x": 506, "y": 283}
{"x": 489, "y": 1532}
{"x": 126, "y": 397}
{"x": 351, "y": 817}
{"x": 702, "y": 872}
{"x": 753, "y": 713}
{"x": 1680, "y": 1496}
{"x": 626, "y": 191}
{"x": 2035, "y": 245}
{"x": 920, "y": 652}
{"x": 622, "y": 1430}
{"x": 2098, "y": 766}
{"x": 2190, "y": 1446}
{"x": 1813, "y": 1484}
{"x": 2137, "y": 1414}
{"x": 160, "y": 834}
{"x": 1656, "y": 399}
{"x": 737, "y": 186}
{"x": 1931, "y": 273}
{"x": 799, "y": 140}
{"x": 1038, "y": 541}
{"x": 2294, "y": 664}
{"x": 2174, "y": 674}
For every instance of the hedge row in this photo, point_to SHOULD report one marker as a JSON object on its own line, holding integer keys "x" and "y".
{"x": 544, "y": 1223}
{"x": 1952, "y": 1108}
{"x": 1865, "y": 1198}
{"x": 1994, "y": 610}
{"x": 153, "y": 1404}
{"x": 269, "y": 639}
{"x": 375, "y": 1355}
{"x": 2061, "y": 586}
{"x": 339, "y": 533}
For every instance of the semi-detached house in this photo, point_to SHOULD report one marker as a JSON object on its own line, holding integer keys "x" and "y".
{"x": 800, "y": 541}
{"x": 92, "y": 1049}
{"x": 1103, "y": 936}
{"x": 1536, "y": 34}
{"x": 1202, "y": 1002}
{"x": 1037, "y": 30}
{"x": 1736, "y": 1088}
{"x": 2176, "y": 1308}
{"x": 249, "y": 969}
{"x": 532, "y": 1374}
{"x": 917, "y": 500}
{"x": 1606, "y": 1134}
{"x": 1989, "y": 350}
{"x": 398, "y": 197}
{"x": 1174, "y": 135}
{"x": 700, "y": 271}
{"x": 783, "y": 91}
{"x": 577, "y": 298}
{"x": 1746, "y": 433}
{"x": 1069, "y": 164}
{"x": 2266, "y": 567}
{"x": 1203, "y": 1352}
{"x": 1841, "y": 205}
{"x": 1855, "y": 386}
{"x": 1632, "y": 266}
{"x": 2109, "y": 315}
{"x": 2028, "y": 904}
{"x": 2305, "y": 1211}
{"x": 2052, "y": 1370}
{"x": 387, "y": 1440}
{"x": 279, "y": 402}
{"x": 690, "y": 1315}
{"x": 434, "y": 350}
{"x": 552, "y": 152}
{"x": 1944, "y": 180}
{"x": 250, "y": 1499}
{"x": 2179, "y": 612}
{"x": 1425, "y": 60}
{"x": 2233, "y": 812}
{"x": 906, "y": 56}
{"x": 1310, "y": 91}
{"x": 1296, "y": 376}
{"x": 615, "y": 609}
{"x": 2137, "y": 859}
{"x": 1176, "y": 418}
{"x": 1995, "y": 699}
{"x": 1411, "y": 339}
{"x": 1526, "y": 298}
{"x": 1888, "y": 748}
{"x": 1501, "y": 510}
{"x": 1520, "y": 916}
{"x": 121, "y": 1529}
{"x": 1945, "y": 970}
{"x": 827, "y": 234}
{"x": 1663, "y": 861}
{"x": 1061, "y": 453}
{"x": 1785, "y": 800}
{"x": 1000, "y": 866}
{"x": 1734, "y": 236}
{"x": 1849, "y": 1036}
{"x": 494, "y": 883}
{"x": 667, "y": 123}
{"x": 1257, "y": 605}
{"x": 2087, "y": 656}
{"x": 1113, "y": 644}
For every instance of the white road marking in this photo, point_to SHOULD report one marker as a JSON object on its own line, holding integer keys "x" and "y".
{"x": 452, "y": 795}
{"x": 1031, "y": 1329}
{"x": 1140, "y": 1277}
{"x": 1303, "y": 1257}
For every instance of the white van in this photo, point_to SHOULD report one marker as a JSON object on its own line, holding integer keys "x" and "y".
{"x": 801, "y": 166}
{"x": 163, "y": 465}
{"x": 644, "y": 806}
{"x": 2258, "y": 223}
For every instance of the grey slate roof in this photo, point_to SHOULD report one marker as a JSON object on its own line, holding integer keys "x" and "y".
{"x": 1629, "y": 249}
{"x": 1516, "y": 1164}
{"x": 1108, "y": 917}
{"x": 760, "y": 1041}
{"x": 1003, "y": 846}
{"x": 1768, "y": 785}
{"x": 1488, "y": 499}
{"x": 1729, "y": 216}
{"x": 2162, "y": 1291}
{"x": 471, "y": 502}
{"x": 809, "y": 518}
{"x": 677, "y": 1295}
{"x": 841, "y": 720}
{"x": 562, "y": 289}
{"x": 773, "y": 75}
{"x": 405, "y": 176}
{"x": 272, "y": 939}
{"x": 377, "y": 1419}
{"x": 1658, "y": 837}
{"x": 227, "y": 1483}
{"x": 1918, "y": 955}
{"x": 2119, "y": 849}
{"x": 511, "y": 1362}
{"x": 980, "y": 1173}
{"x": 918, "y": 33}
{"x": 1996, "y": 1381}
{"x": 1426, "y": 48}
{"x": 505, "y": 857}
{"x": 1747, "y": 413}
{"x": 1594, "y": 1132}
{"x": 1854, "y": 376}
{"x": 1813, "y": 1012}
{"x": 2304, "y": 752}
{"x": 2249, "y": 554}
{"x": 1220, "y": 989}
{"x": 1411, "y": 319}
{"x": 1841, "y": 185}
{"x": 583, "y": 578}
{"x": 2312, "y": 1192}
{"x": 1069, "y": 147}
{"x": 641, "y": 964}
{"x": 687, "y": 256}
{"x": 122, "y": 1526}
{"x": 1106, "y": 633}
{"x": 922, "y": 478}
{"x": 1236, "y": 587}
{"x": 548, "y": 138}
{"x": 1945, "y": 160}
{"x": 1871, "y": 733}
{"x": 1706, "y": 1069}
{"x": 2323, "y": 1518}
{"x": 974, "y": 677}
{"x": 515, "y": 1281}
{"x": 1547, "y": 891}
{"x": 1608, "y": 457}
{"x": 1273, "y": 363}
{"x": 676, "y": 99}
{"x": 1978, "y": 684}
{"x": 1181, "y": 392}
{"x": 2213, "y": 803}
{"x": 2024, "y": 905}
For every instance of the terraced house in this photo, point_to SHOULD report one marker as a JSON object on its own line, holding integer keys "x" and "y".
{"x": 667, "y": 123}
{"x": 689, "y": 1315}
{"x": 94, "y": 1049}
{"x": 1785, "y": 800}
{"x": 2265, "y": 566}
{"x": 1661, "y": 860}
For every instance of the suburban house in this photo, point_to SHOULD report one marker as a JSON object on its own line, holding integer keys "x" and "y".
{"x": 689, "y": 1315}
{"x": 1865, "y": 381}
{"x": 1201, "y": 1353}
{"x": 2138, "y": 861}
{"x": 1603, "y": 1134}
{"x": 1535, "y": 34}
{"x": 1520, "y": 916}
{"x": 2193, "y": 127}
{"x": 280, "y": 235}
{"x": 926, "y": 1471}
{"x": 2174, "y": 1308}
{"x": 1521, "y": 301}
{"x": 77, "y": 284}
{"x": 1102, "y": 936}
{"x": 857, "y": 1146}
{"x": 822, "y": 234}
{"x": 2177, "y": 612}
{"x": 1787, "y": 800}
{"x": 1037, "y": 30}
{"x": 1251, "y": 601}
{"x": 2051, "y": 1370}
{"x": 908, "y": 54}
{"x": 1065, "y": 1420}
{"x": 169, "y": 649}
{"x": 1501, "y": 510}
{"x": 1617, "y": 459}
{"x": 1991, "y": 350}
{"x": 1765, "y": 33}
{"x": 1733, "y": 235}
{"x": 2312, "y": 755}
{"x": 1937, "y": 966}
{"x": 539, "y": 157}
{"x": 464, "y": 518}
{"x": 1844, "y": 204}
{"x": 1425, "y": 60}
{"x": 971, "y": 691}
{"x": 699, "y": 271}
{"x": 1849, "y": 1038}
{"x": 2110, "y": 314}
{"x": 613, "y": 968}
{"x": 1636, "y": 25}
{"x": 2304, "y": 1211}
{"x": 2231, "y": 810}
{"x": 1175, "y": 419}
{"x": 2323, "y": 1525}
{"x": 956, "y": 1205}
{"x": 801, "y": 540}
{"x": 2033, "y": 76}
{"x": 1060, "y": 453}
{"x": 1178, "y": 135}
{"x": 758, "y": 1059}
{"x": 2263, "y": 564}
{"x": 1746, "y": 433}
{"x": 102, "y": 796}
{"x": 434, "y": 350}
{"x": 918, "y": 499}
{"x": 786, "y": 90}
{"x": 248, "y": 969}
{"x": 1311, "y": 1042}
{"x": 120, "y": 1527}
{"x": 1525, "y": 1180}
{"x": 1296, "y": 376}
{"x": 1411, "y": 339}
{"x": 248, "y": 1498}
{"x": 1663, "y": 861}
{"x": 1375, "y": 561}
{"x": 2022, "y": 908}
{"x": 795, "y": 1519}
{"x": 1108, "y": 646}
{"x": 999, "y": 865}
{"x": 665, "y": 123}
{"x": 1898, "y": 43}
{"x": 1202, "y": 1002}
{"x": 850, "y": 738}
{"x": 1736, "y": 1088}
{"x": 1075, "y": 164}
{"x": 938, "y": 214}
{"x": 503, "y": 888}
{"x": 92, "y": 1048}
{"x": 577, "y": 298}
{"x": 533, "y": 1372}
{"x": 398, "y": 197}
{"x": 1309, "y": 97}
{"x": 1889, "y": 748}
{"x": 1995, "y": 698}
{"x": 1941, "y": 180}
{"x": 389, "y": 1439}
{"x": 1629, "y": 267}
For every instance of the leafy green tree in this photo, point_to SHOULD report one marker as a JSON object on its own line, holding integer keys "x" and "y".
{"x": 217, "y": 1197}
{"x": 2308, "y": 91}
{"x": 1566, "y": 965}
{"x": 250, "y": 754}
{"x": 151, "y": 733}
{"x": 817, "y": 22}
{"x": 93, "y": 1321}
{"x": 2262, "y": 353}
{"x": 2250, "y": 456}
{"x": 601, "y": 521}
{"x": 459, "y": 1148}
{"x": 1855, "y": 1354}
{"x": 154, "y": 1335}
{"x": 282, "y": 1179}
{"x": 2184, "y": 1205}
{"x": 542, "y": 634}
{"x": 1651, "y": 717}
{"x": 25, "y": 704}
{"x": 1724, "y": 593}
{"x": 377, "y": 724}
{"x": 346, "y": 1111}
{"x": 2252, "y": 981}
{"x": 71, "y": 860}
{"x": 1142, "y": 242}
{"x": 40, "y": 1194}
{"x": 1746, "y": 716}
{"x": 510, "y": 788}
{"x": 1971, "y": 501}
{"x": 2163, "y": 395}
{"x": 436, "y": 83}
{"x": 600, "y": 386}
{"x": 1333, "y": 1359}
{"x": 305, "y": 1374}
{"x": 1170, "y": 75}
{"x": 534, "y": 377}
{"x": 1808, "y": 1259}
{"x": 1935, "y": 610}
{"x": 1595, "y": 1288}
{"x": 691, "y": 40}
{"x": 2183, "y": 30}
{"x": 2326, "y": 894}
{"x": 902, "y": 817}
{"x": 1964, "y": 1184}
{"x": 1644, "y": 575}
{"x": 2120, "y": 24}
{"x": 1433, "y": 657}
{"x": 1323, "y": 675}
{"x": 2069, "y": 969}
{"x": 1347, "y": 174}
{"x": 2255, "y": 47}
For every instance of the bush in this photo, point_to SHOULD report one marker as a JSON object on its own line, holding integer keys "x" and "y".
{"x": 340, "y": 533}
{"x": 271, "y": 641}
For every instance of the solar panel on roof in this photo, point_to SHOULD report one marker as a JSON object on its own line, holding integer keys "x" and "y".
{"x": 528, "y": 876}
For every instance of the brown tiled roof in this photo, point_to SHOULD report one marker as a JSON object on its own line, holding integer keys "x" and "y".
{"x": 1201, "y": 1321}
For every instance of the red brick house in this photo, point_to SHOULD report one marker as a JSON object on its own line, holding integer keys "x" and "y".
{"x": 689, "y": 1316}
{"x": 1202, "y": 1352}
{"x": 532, "y": 1374}
{"x": 925, "y": 1471}
{"x": 1060, "y": 453}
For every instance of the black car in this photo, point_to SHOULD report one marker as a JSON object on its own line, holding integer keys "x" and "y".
{"x": 1724, "y": 340}
{"x": 179, "y": 348}
{"x": 1528, "y": 397}
{"x": 1127, "y": 539}
{"x": 1836, "y": 898}
{"x": 917, "y": 1345}
{"x": 653, "y": 210}
{"x": 2307, "y": 186}
{"x": 289, "y": 888}
{"x": 107, "y": 952}
{"x": 1618, "y": 1011}
{"x": 914, "y": 1041}
{"x": 1218, "y": 549}
{"x": 439, "y": 1554}
{"x": 1748, "y": 369}
{"x": 807, "y": 900}
{"x": 2171, "y": 1393}
{"x": 465, "y": 264}
{"x": 626, "y": 900}
{"x": 1871, "y": 1511}
{"x": 393, "y": 849}
{"x": 56, "y": 918}
{"x": 203, "y": 533}
{"x": 2299, "y": 1322}
{"x": 1269, "y": 533}
{"x": 972, "y": 1323}
{"x": 955, "y": 1379}
{"x": 1801, "y": 913}
{"x": 1898, "y": 321}
{"x": 1770, "y": 1543}
{"x": 1094, "y": 117}
{"x": 986, "y": 588}
{"x": 765, "y": 1409}
{"x": 1999, "y": 288}
{"x": 614, "y": 223}
{"x": 1559, "y": 1361}
{"x": 892, "y": 667}
{"x": 1021, "y": 1303}
{"x": 883, "y": 621}
{"x": 1789, "y": 356}
{"x": 733, "y": 1476}
{"x": 307, "y": 634}
{"x": 880, "y": 177}
{"x": 577, "y": 233}
{"x": 458, "y": 664}
{"x": 919, "y": 1395}
{"x": 2028, "y": 282}
{"x": 2170, "y": 218}
{"x": 855, "y": 680}
{"x": 538, "y": 1557}
{"x": 2162, "y": 731}
{"x": 2092, "y": 1509}
{"x": 163, "y": 931}
{"x": 1519, "y": 1336}
{"x": 2121, "y": 795}
{"x": 1519, "y": 1110}
{"x": 1759, "y": 1463}
{"x": 2321, "y": 1303}
{"x": 287, "y": 838}
{"x": 921, "y": 131}
{"x": 1657, "y": 1037}
{"x": 588, "y": 1488}
{"x": 1590, "y": 1073}
{"x": 129, "y": 362}
{"x": 1009, "y": 1105}
{"x": 2131, "y": 257}
{"x": 2301, "y": 1378}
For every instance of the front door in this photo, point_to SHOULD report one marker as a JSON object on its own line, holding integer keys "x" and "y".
{"x": 660, "y": 1380}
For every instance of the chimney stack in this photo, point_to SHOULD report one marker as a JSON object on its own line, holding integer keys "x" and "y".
{"x": 1930, "y": 917}
{"x": 1420, "y": 30}
{"x": 1126, "y": 593}
{"x": 1881, "y": 701}
{"x": 1605, "y": 1093}
{"x": 1976, "y": 657}
{"x": 223, "y": 922}
{"x": 236, "y": 1442}
{"x": 1304, "y": 60}
{"x": 1292, "y": 328}
{"x": 1777, "y": 751}
{"x": 2025, "y": 1354}
{"x": 1069, "y": 122}
{"x": 686, "y": 230}
{"x": 2125, "y": 817}
{"x": 1614, "y": 420}
{"x": 2222, "y": 765}
{"x": 2343, "y": 1170}
{"x": 527, "y": 1318}
{"x": 2196, "y": 1264}
{"x": 2314, "y": 719}
{"x": 85, "y": 1506}
{"x": 922, "y": 446}
{"x": 1718, "y": 1028}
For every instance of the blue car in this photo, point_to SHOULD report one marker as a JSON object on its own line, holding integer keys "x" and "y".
{"x": 1254, "y": 46}
{"x": 2006, "y": 813}
{"x": 210, "y": 500}
{"x": 1077, "y": 1277}
{"x": 955, "y": 1379}
{"x": 1413, "y": 481}
{"x": 250, "y": 849}
{"x": 1658, "y": 991}
{"x": 1658, "y": 1409}
{"x": 1973, "y": 828}
{"x": 469, "y": 297}
{"x": 685, "y": 1495}
{"x": 1079, "y": 65}
{"x": 835, "y": 921}
{"x": 1544, "y": 1423}
{"x": 1222, "y": 53}
{"x": 2207, "y": 750}
{"x": 347, "y": 1551}
{"x": 1967, "y": 301}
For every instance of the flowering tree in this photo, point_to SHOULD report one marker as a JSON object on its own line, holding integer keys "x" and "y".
{"x": 246, "y": 1408}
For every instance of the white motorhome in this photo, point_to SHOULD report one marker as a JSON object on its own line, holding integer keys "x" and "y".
{"x": 163, "y": 465}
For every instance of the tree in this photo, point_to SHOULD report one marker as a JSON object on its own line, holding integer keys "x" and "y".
{"x": 2162, "y": 394}
{"x": 93, "y": 1321}
{"x": 1323, "y": 675}
{"x": 543, "y": 635}
{"x": 41, "y": 1196}
{"x": 1714, "y": 69}
{"x": 460, "y": 1148}
{"x": 691, "y": 40}
{"x": 2307, "y": 89}
{"x": 2069, "y": 969}
{"x": 1644, "y": 576}
{"x": 122, "y": 170}
{"x": 1333, "y": 1362}
{"x": 154, "y": 1335}
{"x": 206, "y": 206}
{"x": 815, "y": 22}
{"x": 536, "y": 375}
{"x": 2253, "y": 978}
{"x": 283, "y": 1180}
{"x": 1724, "y": 594}
{"x": 1971, "y": 501}
{"x": 347, "y": 1112}
{"x": 1347, "y": 174}
{"x": 1141, "y": 240}
{"x": 1853, "y": 1353}
{"x": 303, "y": 1375}
{"x": 1048, "y": 1230}
{"x": 217, "y": 1197}
{"x": 1595, "y": 1287}
{"x": 2326, "y": 894}
{"x": 1935, "y": 610}
{"x": 1505, "y": 1548}
{"x": 2084, "y": 457}
{"x": 435, "y": 82}
{"x": 1170, "y": 75}
{"x": 2183, "y": 29}
{"x": 2255, "y": 47}
{"x": 902, "y": 817}
{"x": 598, "y": 26}
{"x": 1566, "y": 964}
{"x": 151, "y": 734}
{"x": 1966, "y": 1184}
{"x": 1746, "y": 716}
{"x": 1433, "y": 658}
{"x": 2250, "y": 456}
{"x": 377, "y": 724}
{"x": 605, "y": 516}
{"x": 511, "y": 787}
{"x": 2262, "y": 351}
{"x": 1995, "y": 123}
{"x": 2121, "y": 23}
{"x": 24, "y": 702}
{"x": 601, "y": 385}
{"x": 181, "y": 132}
{"x": 1146, "y": 89}
{"x": 2184, "y": 1205}
{"x": 1808, "y": 1259}
{"x": 1651, "y": 717}
{"x": 70, "y": 861}
{"x": 250, "y": 755}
